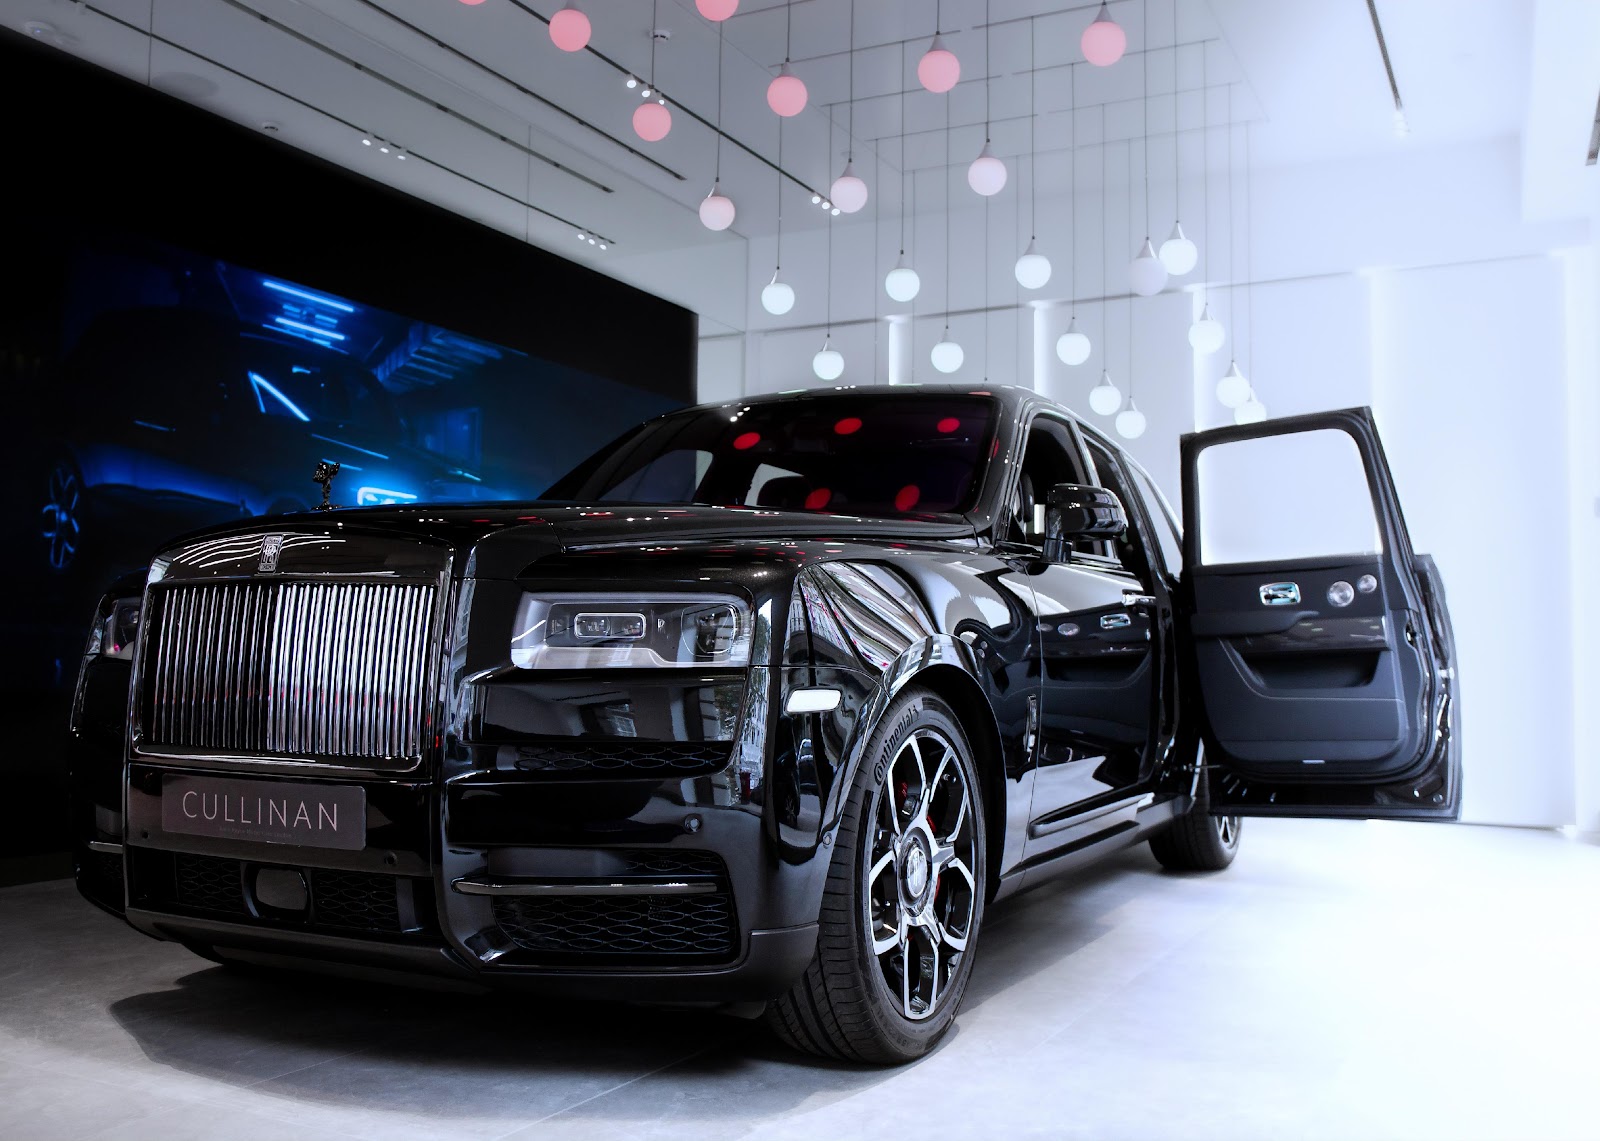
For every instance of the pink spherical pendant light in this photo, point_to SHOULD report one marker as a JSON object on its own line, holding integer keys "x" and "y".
{"x": 939, "y": 69}
{"x": 569, "y": 29}
{"x": 472, "y": 3}
{"x": 652, "y": 121}
{"x": 716, "y": 210}
{"x": 1104, "y": 41}
{"x": 848, "y": 192}
{"x": 787, "y": 94}
{"x": 717, "y": 10}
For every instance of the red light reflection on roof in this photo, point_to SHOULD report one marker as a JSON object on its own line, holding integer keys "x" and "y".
{"x": 906, "y": 498}
{"x": 747, "y": 440}
{"x": 818, "y": 499}
{"x": 849, "y": 426}
{"x": 948, "y": 424}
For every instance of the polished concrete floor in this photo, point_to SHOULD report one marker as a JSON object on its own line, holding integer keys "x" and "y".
{"x": 1342, "y": 980}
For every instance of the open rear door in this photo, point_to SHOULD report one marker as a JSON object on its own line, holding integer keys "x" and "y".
{"x": 1319, "y": 657}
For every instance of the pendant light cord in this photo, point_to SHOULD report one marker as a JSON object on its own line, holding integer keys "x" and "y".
{"x": 788, "y": 31}
{"x": 1033, "y": 152}
{"x": 1072, "y": 181}
{"x": 947, "y": 243}
{"x": 1249, "y": 265}
{"x": 1205, "y": 171}
{"x": 1105, "y": 220}
{"x": 655, "y": 22}
{"x": 850, "y": 141}
{"x": 1130, "y": 234}
{"x": 777, "y": 259}
{"x": 1144, "y": 114}
{"x": 988, "y": 71}
{"x": 903, "y": 152}
{"x": 721, "y": 24}
{"x": 1177, "y": 145}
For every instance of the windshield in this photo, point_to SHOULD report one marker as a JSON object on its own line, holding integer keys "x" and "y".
{"x": 885, "y": 455}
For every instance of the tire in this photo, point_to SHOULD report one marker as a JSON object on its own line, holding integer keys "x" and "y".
{"x": 1198, "y": 841}
{"x": 898, "y": 882}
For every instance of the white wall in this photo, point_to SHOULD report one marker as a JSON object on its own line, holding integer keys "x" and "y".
{"x": 1470, "y": 387}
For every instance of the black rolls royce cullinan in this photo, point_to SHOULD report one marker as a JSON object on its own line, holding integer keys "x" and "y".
{"x": 765, "y": 703}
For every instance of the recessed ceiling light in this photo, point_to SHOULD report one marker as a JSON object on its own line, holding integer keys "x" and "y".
{"x": 582, "y": 236}
{"x": 602, "y": 245}
{"x": 366, "y": 142}
{"x": 632, "y": 83}
{"x": 815, "y": 198}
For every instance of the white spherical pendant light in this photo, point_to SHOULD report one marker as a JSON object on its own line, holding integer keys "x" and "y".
{"x": 1147, "y": 275}
{"x": 947, "y": 355}
{"x": 1233, "y": 389}
{"x": 716, "y": 210}
{"x": 717, "y": 10}
{"x": 786, "y": 94}
{"x": 1032, "y": 269}
{"x": 777, "y": 297}
{"x": 569, "y": 29}
{"x": 987, "y": 174}
{"x": 848, "y": 192}
{"x": 938, "y": 70}
{"x": 1130, "y": 422}
{"x": 1105, "y": 397}
{"x": 1103, "y": 41}
{"x": 828, "y": 364}
{"x": 1072, "y": 346}
{"x": 652, "y": 121}
{"x": 1178, "y": 253}
{"x": 1206, "y": 334}
{"x": 902, "y": 283}
{"x": 1252, "y": 411}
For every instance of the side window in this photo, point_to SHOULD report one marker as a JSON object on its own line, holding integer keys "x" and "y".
{"x": 1050, "y": 458}
{"x": 1275, "y": 498}
{"x": 1168, "y": 535}
{"x": 1111, "y": 476}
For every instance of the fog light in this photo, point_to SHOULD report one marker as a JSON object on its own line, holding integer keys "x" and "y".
{"x": 281, "y": 889}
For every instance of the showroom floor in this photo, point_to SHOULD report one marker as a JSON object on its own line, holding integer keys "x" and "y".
{"x": 1342, "y": 980}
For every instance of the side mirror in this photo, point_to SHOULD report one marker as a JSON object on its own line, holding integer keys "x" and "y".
{"x": 1079, "y": 512}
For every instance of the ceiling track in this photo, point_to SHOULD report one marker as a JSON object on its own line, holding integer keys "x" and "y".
{"x": 542, "y": 100}
{"x": 704, "y": 122}
{"x": 396, "y": 85}
{"x": 329, "y": 115}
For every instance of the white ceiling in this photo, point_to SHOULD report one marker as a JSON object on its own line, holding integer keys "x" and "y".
{"x": 495, "y": 116}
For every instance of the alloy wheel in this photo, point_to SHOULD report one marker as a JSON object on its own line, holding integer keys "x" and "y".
{"x": 63, "y": 516}
{"x": 1227, "y": 830}
{"x": 920, "y": 892}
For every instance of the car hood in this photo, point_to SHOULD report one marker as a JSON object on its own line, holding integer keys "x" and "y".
{"x": 503, "y": 540}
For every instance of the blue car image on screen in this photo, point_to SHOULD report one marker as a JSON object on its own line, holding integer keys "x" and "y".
{"x": 185, "y": 418}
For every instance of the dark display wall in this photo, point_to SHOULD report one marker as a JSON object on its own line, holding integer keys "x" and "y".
{"x": 194, "y": 314}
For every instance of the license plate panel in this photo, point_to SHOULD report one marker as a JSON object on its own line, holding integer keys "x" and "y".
{"x": 265, "y": 812}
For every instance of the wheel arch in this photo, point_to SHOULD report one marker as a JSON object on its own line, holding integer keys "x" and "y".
{"x": 957, "y": 689}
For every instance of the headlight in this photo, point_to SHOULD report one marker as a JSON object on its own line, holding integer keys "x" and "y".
{"x": 630, "y": 631}
{"x": 115, "y": 628}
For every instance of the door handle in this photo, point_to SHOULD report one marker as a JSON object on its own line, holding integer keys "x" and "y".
{"x": 1133, "y": 598}
{"x": 1114, "y": 621}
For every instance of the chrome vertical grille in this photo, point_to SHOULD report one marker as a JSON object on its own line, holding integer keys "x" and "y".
{"x": 334, "y": 670}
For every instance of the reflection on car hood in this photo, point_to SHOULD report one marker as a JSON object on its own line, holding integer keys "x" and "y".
{"x": 503, "y": 539}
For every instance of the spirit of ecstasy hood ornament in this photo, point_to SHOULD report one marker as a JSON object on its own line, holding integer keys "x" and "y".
{"x": 326, "y": 470}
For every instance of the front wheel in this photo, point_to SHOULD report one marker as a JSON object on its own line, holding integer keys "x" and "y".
{"x": 1198, "y": 841}
{"x": 904, "y": 897}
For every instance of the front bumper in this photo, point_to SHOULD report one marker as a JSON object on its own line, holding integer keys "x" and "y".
{"x": 702, "y": 888}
